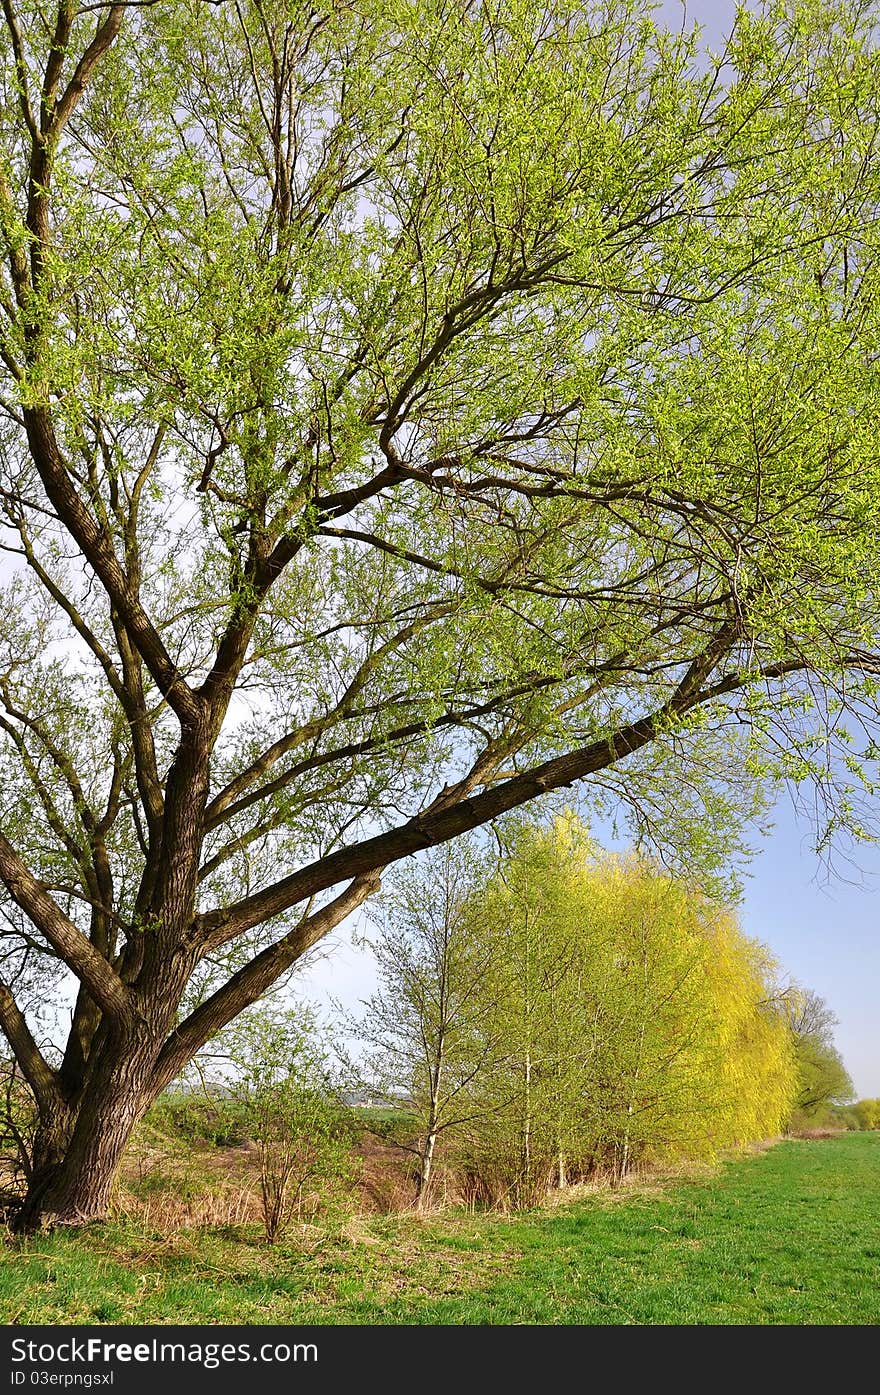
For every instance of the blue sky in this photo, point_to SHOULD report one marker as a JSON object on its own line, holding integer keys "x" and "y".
{"x": 821, "y": 925}
{"x": 824, "y": 930}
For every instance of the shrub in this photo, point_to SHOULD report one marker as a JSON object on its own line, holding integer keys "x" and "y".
{"x": 283, "y": 1098}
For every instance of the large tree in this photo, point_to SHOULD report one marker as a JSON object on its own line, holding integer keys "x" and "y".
{"x": 409, "y": 408}
{"x": 823, "y": 1079}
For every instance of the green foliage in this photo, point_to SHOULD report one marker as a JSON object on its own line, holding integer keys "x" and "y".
{"x": 282, "y": 1097}
{"x": 867, "y": 1113}
{"x": 840, "y": 1116}
{"x": 605, "y": 319}
{"x": 199, "y": 1116}
{"x": 556, "y": 1012}
{"x": 822, "y": 1077}
{"x": 633, "y": 1016}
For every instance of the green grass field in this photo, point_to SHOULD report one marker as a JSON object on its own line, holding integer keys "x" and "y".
{"x": 788, "y": 1236}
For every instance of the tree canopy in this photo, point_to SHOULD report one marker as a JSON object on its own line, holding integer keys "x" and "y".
{"x": 822, "y": 1077}
{"x": 570, "y": 1012}
{"x": 406, "y": 410}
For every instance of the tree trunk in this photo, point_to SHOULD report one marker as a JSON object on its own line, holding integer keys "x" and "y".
{"x": 433, "y": 1129}
{"x": 526, "y": 1146}
{"x": 624, "y": 1154}
{"x": 427, "y": 1161}
{"x": 76, "y": 1188}
{"x": 77, "y": 1155}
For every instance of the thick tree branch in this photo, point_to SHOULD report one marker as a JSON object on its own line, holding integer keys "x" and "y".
{"x": 98, "y": 551}
{"x": 21, "y": 67}
{"x": 143, "y": 744}
{"x": 233, "y": 799}
{"x": 93, "y": 540}
{"x": 37, "y": 1071}
{"x": 246, "y": 986}
{"x": 70, "y": 943}
{"x": 439, "y": 824}
{"x": 106, "y": 34}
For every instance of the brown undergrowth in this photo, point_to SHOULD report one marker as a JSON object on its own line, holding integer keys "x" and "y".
{"x": 168, "y": 1185}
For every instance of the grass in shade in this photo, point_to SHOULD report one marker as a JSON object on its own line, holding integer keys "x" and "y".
{"x": 789, "y": 1236}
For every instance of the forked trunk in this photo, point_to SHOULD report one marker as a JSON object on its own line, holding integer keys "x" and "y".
{"x": 426, "y": 1161}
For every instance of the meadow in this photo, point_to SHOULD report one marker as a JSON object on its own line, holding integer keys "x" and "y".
{"x": 790, "y": 1235}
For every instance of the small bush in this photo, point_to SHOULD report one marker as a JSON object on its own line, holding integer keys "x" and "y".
{"x": 281, "y": 1097}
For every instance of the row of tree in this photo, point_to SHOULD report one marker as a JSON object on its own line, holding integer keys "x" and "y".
{"x": 553, "y": 1011}
{"x": 545, "y": 1012}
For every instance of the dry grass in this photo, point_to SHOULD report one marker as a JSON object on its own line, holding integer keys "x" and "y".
{"x": 809, "y": 1135}
{"x": 168, "y": 1186}
{"x": 225, "y": 1204}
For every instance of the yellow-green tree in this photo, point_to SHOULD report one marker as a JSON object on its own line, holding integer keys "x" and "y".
{"x": 822, "y": 1078}
{"x": 752, "y": 1049}
{"x": 867, "y": 1113}
{"x": 700, "y": 1061}
{"x": 531, "y": 1113}
{"x": 638, "y": 1017}
{"x": 418, "y": 1031}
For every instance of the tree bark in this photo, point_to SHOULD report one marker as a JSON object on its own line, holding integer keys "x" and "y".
{"x": 423, "y": 1185}
{"x": 82, "y": 1138}
{"x": 50, "y": 1146}
{"x": 79, "y": 1151}
{"x": 427, "y": 1159}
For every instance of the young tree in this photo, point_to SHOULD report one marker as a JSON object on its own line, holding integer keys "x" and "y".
{"x": 407, "y": 409}
{"x": 421, "y": 1028}
{"x": 541, "y": 1011}
{"x": 634, "y": 1018}
{"x": 750, "y": 1071}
